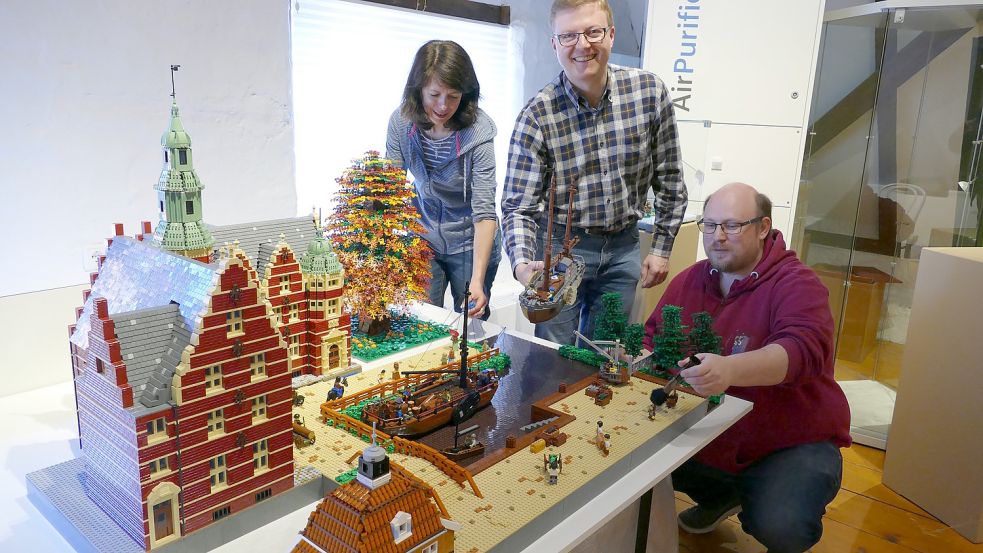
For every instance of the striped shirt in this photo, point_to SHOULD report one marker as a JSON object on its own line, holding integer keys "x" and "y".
{"x": 614, "y": 153}
{"x": 437, "y": 152}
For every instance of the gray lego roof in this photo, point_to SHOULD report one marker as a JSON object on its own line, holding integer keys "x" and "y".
{"x": 151, "y": 341}
{"x": 297, "y": 232}
{"x": 136, "y": 276}
{"x": 266, "y": 249}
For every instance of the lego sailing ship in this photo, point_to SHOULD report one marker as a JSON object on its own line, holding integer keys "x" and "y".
{"x": 449, "y": 396}
{"x": 556, "y": 285}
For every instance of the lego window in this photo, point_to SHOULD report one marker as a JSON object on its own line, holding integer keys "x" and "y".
{"x": 259, "y": 406}
{"x": 162, "y": 206}
{"x": 166, "y": 160}
{"x": 295, "y": 311}
{"x": 295, "y": 346}
{"x": 257, "y": 366}
{"x": 99, "y": 366}
{"x": 182, "y": 155}
{"x": 402, "y": 526}
{"x": 285, "y": 286}
{"x": 233, "y": 322}
{"x": 216, "y": 422}
{"x": 333, "y": 307}
{"x": 157, "y": 429}
{"x": 221, "y": 513}
{"x": 432, "y": 548}
{"x": 396, "y": 35}
{"x": 216, "y": 471}
{"x": 265, "y": 494}
{"x": 158, "y": 465}
{"x": 333, "y": 283}
{"x": 189, "y": 207}
{"x": 261, "y": 456}
{"x": 213, "y": 378}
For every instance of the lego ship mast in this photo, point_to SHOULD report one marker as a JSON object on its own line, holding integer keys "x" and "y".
{"x": 569, "y": 243}
{"x": 547, "y": 248}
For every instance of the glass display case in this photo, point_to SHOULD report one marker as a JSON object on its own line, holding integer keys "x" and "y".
{"x": 890, "y": 168}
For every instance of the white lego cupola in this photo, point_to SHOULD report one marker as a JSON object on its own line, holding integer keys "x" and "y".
{"x": 373, "y": 466}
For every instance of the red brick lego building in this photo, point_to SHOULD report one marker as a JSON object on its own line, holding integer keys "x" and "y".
{"x": 183, "y": 356}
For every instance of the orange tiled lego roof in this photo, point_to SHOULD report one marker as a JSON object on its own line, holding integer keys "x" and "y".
{"x": 355, "y": 519}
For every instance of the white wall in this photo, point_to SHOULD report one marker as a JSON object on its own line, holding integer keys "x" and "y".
{"x": 742, "y": 99}
{"x": 85, "y": 98}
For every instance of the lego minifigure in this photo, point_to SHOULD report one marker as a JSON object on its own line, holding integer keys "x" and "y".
{"x": 395, "y": 370}
{"x": 553, "y": 465}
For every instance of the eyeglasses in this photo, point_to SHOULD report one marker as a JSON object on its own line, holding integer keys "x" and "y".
{"x": 595, "y": 34}
{"x": 729, "y": 228}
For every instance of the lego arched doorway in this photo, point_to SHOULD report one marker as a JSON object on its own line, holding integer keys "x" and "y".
{"x": 334, "y": 356}
{"x": 162, "y": 514}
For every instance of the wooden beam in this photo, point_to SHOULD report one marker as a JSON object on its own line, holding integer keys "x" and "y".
{"x": 465, "y": 9}
{"x": 859, "y": 101}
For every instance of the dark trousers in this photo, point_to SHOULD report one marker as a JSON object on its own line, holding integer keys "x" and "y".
{"x": 783, "y": 496}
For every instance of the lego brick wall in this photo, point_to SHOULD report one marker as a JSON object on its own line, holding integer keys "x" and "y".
{"x": 86, "y": 104}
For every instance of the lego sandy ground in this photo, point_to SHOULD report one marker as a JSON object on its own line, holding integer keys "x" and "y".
{"x": 515, "y": 490}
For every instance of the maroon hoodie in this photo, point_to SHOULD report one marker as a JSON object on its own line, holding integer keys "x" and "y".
{"x": 782, "y": 302}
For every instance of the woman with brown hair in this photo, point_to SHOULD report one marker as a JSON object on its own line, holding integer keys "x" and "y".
{"x": 446, "y": 142}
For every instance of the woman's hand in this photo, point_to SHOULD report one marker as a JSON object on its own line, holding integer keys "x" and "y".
{"x": 478, "y": 299}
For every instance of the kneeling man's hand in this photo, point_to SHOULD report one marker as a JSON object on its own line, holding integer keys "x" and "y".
{"x": 710, "y": 377}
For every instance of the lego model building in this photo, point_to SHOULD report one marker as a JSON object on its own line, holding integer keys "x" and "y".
{"x": 183, "y": 355}
{"x": 385, "y": 509}
{"x": 305, "y": 293}
{"x": 376, "y": 232}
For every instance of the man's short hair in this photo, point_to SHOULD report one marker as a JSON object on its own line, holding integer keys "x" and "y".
{"x": 447, "y": 62}
{"x": 560, "y": 5}
{"x": 762, "y": 204}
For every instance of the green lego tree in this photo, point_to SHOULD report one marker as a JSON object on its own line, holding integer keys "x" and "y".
{"x": 669, "y": 346}
{"x": 633, "y": 338}
{"x": 612, "y": 321}
{"x": 702, "y": 337}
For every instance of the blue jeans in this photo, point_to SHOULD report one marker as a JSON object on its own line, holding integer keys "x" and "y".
{"x": 783, "y": 496}
{"x": 614, "y": 264}
{"x": 455, "y": 269}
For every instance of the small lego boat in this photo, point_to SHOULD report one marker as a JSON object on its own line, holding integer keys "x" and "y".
{"x": 463, "y": 451}
{"x": 556, "y": 285}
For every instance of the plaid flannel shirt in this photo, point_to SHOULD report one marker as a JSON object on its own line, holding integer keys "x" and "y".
{"x": 614, "y": 153}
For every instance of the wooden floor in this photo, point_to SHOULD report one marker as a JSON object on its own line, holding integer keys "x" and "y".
{"x": 865, "y": 517}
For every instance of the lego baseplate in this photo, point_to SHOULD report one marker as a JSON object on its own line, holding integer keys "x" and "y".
{"x": 519, "y": 505}
{"x": 58, "y": 493}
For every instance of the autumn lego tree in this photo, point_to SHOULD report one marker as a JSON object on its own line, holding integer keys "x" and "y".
{"x": 376, "y": 233}
{"x": 669, "y": 346}
{"x": 702, "y": 338}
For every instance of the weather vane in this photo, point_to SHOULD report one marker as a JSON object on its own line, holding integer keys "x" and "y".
{"x": 174, "y": 69}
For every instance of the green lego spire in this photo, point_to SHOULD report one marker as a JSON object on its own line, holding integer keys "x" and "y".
{"x": 180, "y": 229}
{"x": 319, "y": 259}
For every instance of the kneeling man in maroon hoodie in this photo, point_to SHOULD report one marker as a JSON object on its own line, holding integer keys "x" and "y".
{"x": 780, "y": 465}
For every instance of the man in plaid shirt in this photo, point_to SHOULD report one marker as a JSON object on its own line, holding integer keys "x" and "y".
{"x": 610, "y": 131}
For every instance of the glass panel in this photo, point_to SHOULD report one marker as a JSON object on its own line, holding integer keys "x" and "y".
{"x": 896, "y": 134}
{"x": 926, "y": 173}
{"x": 843, "y": 103}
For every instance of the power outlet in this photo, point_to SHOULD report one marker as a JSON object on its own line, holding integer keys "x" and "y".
{"x": 90, "y": 256}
